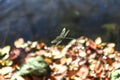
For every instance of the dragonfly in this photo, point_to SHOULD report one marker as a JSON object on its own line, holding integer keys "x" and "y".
{"x": 61, "y": 37}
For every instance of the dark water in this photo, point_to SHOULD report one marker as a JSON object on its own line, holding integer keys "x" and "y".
{"x": 44, "y": 19}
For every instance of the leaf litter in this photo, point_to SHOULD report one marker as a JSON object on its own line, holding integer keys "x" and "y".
{"x": 80, "y": 59}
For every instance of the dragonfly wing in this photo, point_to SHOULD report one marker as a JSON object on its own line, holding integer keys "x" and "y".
{"x": 56, "y": 40}
{"x": 66, "y": 33}
{"x": 63, "y": 32}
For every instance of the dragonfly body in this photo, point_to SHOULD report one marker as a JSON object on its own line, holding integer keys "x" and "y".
{"x": 62, "y": 36}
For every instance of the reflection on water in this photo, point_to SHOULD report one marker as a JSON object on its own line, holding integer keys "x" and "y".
{"x": 44, "y": 19}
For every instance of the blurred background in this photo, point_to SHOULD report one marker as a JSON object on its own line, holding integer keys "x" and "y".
{"x": 44, "y": 19}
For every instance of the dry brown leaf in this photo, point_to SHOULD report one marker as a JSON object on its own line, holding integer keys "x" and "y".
{"x": 91, "y": 44}
{"x": 19, "y": 42}
{"x": 98, "y": 40}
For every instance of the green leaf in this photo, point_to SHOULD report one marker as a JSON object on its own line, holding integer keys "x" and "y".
{"x": 5, "y": 52}
{"x": 115, "y": 75}
{"x": 9, "y": 63}
{"x": 35, "y": 66}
